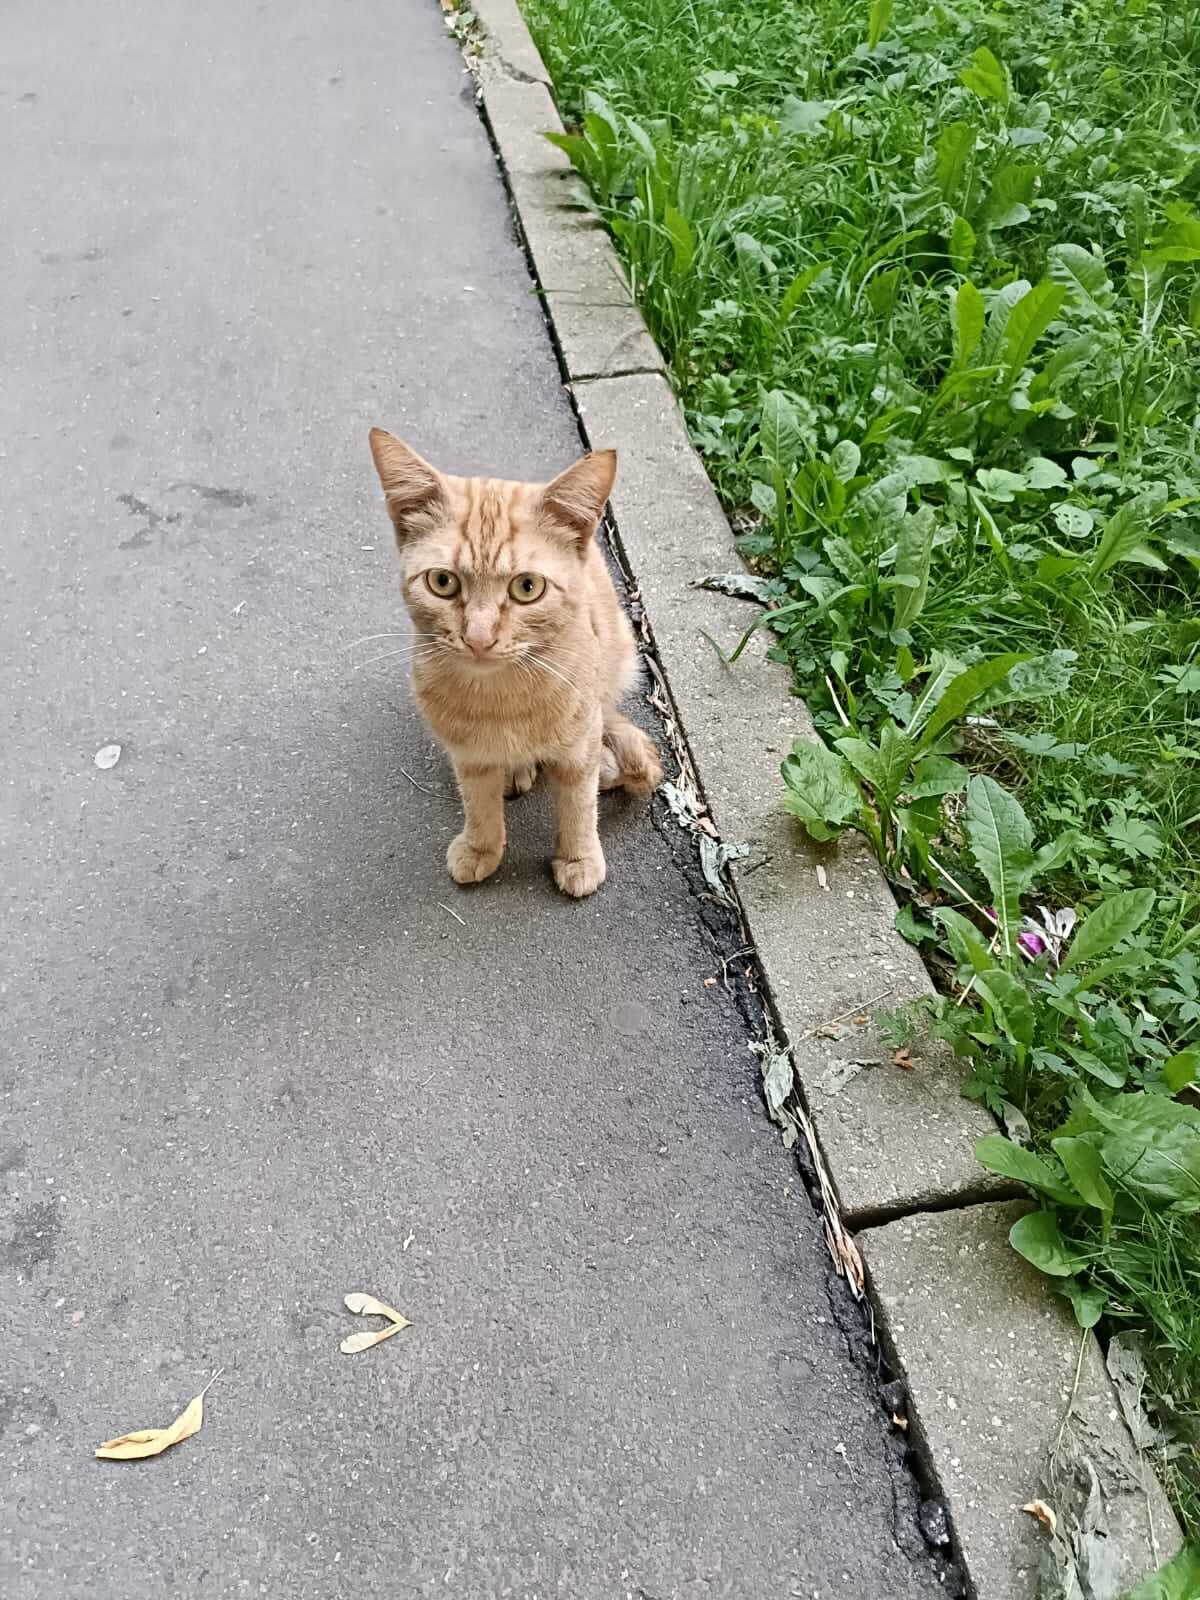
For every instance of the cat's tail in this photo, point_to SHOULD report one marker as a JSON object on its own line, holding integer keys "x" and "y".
{"x": 632, "y": 762}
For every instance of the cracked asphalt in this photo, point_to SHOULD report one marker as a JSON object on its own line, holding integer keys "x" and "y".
{"x": 258, "y": 1050}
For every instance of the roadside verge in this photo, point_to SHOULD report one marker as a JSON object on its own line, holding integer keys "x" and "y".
{"x": 991, "y": 1360}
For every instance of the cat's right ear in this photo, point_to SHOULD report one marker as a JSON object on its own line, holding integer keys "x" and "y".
{"x": 412, "y": 487}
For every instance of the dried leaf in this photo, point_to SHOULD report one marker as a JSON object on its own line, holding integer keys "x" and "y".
{"x": 1044, "y": 1514}
{"x": 107, "y": 756}
{"x": 145, "y": 1442}
{"x": 903, "y": 1058}
{"x": 366, "y": 1305}
{"x": 899, "y": 1422}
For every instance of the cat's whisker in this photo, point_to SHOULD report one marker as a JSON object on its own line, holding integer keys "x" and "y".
{"x": 395, "y": 633}
{"x": 546, "y": 666}
{"x": 419, "y": 653}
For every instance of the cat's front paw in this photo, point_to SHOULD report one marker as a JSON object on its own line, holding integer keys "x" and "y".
{"x": 471, "y": 863}
{"x": 580, "y": 875}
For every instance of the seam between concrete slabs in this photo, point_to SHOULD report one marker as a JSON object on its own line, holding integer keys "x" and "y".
{"x": 671, "y": 531}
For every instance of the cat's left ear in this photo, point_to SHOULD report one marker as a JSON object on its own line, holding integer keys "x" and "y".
{"x": 577, "y": 497}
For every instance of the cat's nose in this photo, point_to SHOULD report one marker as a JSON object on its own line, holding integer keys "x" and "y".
{"x": 480, "y": 647}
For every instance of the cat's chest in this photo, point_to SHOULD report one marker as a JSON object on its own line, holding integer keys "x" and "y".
{"x": 505, "y": 725}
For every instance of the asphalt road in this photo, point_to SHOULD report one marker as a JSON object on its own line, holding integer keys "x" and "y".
{"x": 259, "y": 1051}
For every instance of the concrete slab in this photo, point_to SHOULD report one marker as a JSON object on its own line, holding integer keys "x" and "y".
{"x": 895, "y": 1140}
{"x": 599, "y": 330}
{"x": 989, "y": 1356}
{"x": 509, "y": 50}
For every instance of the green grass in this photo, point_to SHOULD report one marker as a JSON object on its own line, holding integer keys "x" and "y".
{"x": 928, "y": 283}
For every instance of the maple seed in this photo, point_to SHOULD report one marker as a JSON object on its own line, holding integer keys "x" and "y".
{"x": 366, "y": 1305}
{"x": 145, "y": 1442}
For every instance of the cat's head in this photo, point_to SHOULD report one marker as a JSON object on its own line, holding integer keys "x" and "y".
{"x": 491, "y": 569}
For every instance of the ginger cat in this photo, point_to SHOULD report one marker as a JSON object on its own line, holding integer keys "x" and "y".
{"x": 523, "y": 649}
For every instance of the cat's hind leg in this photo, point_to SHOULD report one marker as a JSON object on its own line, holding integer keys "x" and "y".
{"x": 520, "y": 779}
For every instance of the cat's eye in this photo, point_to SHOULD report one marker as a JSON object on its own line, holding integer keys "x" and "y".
{"x": 527, "y": 587}
{"x": 442, "y": 583}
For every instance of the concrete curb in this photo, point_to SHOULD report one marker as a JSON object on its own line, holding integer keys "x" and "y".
{"x": 898, "y": 1145}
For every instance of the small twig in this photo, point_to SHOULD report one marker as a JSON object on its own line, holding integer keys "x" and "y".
{"x": 954, "y": 884}
{"x": 862, "y": 1006}
{"x": 837, "y": 704}
{"x": 442, "y": 906}
{"x": 975, "y": 975}
{"x": 437, "y": 793}
{"x": 1062, "y": 1427}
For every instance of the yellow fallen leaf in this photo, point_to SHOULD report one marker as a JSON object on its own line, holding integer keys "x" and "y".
{"x": 1043, "y": 1512}
{"x": 366, "y": 1305}
{"x": 145, "y": 1442}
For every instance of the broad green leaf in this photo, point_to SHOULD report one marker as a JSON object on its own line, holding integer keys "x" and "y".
{"x": 1112, "y": 920}
{"x": 985, "y": 76}
{"x": 1178, "y": 1580}
{"x": 1036, "y": 1237}
{"x": 844, "y": 459}
{"x": 885, "y": 766}
{"x": 914, "y": 548}
{"x": 913, "y": 928}
{"x": 1084, "y": 275}
{"x": 821, "y": 789}
{"x": 1000, "y": 485}
{"x": 1001, "y": 842}
{"x": 1049, "y": 857}
{"x": 1010, "y": 195}
{"x": 1076, "y": 522}
{"x": 779, "y": 435}
{"x": 798, "y": 288}
{"x": 964, "y": 938}
{"x": 961, "y": 245}
{"x": 1151, "y": 1144}
{"x": 1082, "y": 1161}
{"x": 962, "y": 692}
{"x": 966, "y": 322}
{"x": 954, "y": 148}
{"x": 577, "y": 150}
{"x": 1087, "y": 1302}
{"x": 1010, "y": 1003}
{"x": 878, "y": 18}
{"x": 1038, "y": 678}
{"x": 683, "y": 242}
{"x": 999, "y": 311}
{"x": 1028, "y": 321}
{"x": 1126, "y": 530}
{"x": 1042, "y": 473}
{"x": 1182, "y": 1069}
{"x": 1095, "y": 1066}
{"x": 803, "y": 116}
{"x": 937, "y": 775}
{"x": 1010, "y": 1160}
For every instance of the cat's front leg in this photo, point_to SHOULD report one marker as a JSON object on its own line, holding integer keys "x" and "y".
{"x": 477, "y": 851}
{"x": 578, "y": 859}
